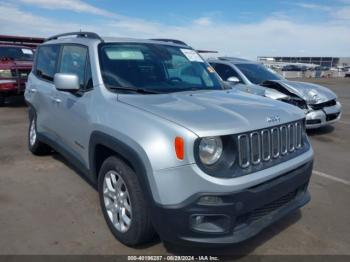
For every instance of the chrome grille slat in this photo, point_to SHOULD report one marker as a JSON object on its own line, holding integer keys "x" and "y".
{"x": 243, "y": 149}
{"x": 265, "y": 145}
{"x": 275, "y": 142}
{"x": 291, "y": 138}
{"x": 284, "y": 140}
{"x": 268, "y": 144}
{"x": 298, "y": 136}
{"x": 255, "y": 148}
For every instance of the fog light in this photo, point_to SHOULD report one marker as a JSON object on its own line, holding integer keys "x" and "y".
{"x": 210, "y": 200}
{"x": 210, "y": 223}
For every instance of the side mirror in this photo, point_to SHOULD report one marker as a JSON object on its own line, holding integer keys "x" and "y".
{"x": 233, "y": 80}
{"x": 66, "y": 82}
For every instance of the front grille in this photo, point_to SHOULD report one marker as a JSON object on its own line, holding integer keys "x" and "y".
{"x": 331, "y": 117}
{"x": 268, "y": 144}
{"x": 20, "y": 73}
{"x": 268, "y": 208}
{"x": 325, "y": 104}
{"x": 23, "y": 73}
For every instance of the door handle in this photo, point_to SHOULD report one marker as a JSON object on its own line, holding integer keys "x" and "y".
{"x": 56, "y": 100}
{"x": 32, "y": 90}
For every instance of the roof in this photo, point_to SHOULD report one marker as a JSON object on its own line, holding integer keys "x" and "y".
{"x": 138, "y": 40}
{"x": 232, "y": 60}
{"x": 235, "y": 60}
{"x": 90, "y": 37}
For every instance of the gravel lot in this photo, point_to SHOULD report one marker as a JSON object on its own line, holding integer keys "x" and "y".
{"x": 46, "y": 208}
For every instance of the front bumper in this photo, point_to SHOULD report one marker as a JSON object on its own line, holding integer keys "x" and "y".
{"x": 244, "y": 213}
{"x": 324, "y": 116}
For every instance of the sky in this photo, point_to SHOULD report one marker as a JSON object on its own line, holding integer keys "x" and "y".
{"x": 238, "y": 28}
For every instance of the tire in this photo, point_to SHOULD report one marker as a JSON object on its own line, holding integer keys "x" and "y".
{"x": 34, "y": 144}
{"x": 126, "y": 213}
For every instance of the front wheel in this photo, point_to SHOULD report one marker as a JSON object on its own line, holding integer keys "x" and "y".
{"x": 123, "y": 204}
{"x": 34, "y": 144}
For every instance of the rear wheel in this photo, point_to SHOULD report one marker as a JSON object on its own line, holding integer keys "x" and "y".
{"x": 123, "y": 204}
{"x": 34, "y": 144}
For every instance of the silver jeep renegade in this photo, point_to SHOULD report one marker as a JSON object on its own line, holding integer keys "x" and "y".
{"x": 169, "y": 148}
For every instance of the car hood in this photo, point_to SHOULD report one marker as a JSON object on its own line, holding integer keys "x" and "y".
{"x": 221, "y": 112}
{"x": 311, "y": 93}
{"x": 252, "y": 89}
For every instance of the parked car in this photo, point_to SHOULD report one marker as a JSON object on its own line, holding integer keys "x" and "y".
{"x": 168, "y": 147}
{"x": 319, "y": 103}
{"x": 294, "y": 68}
{"x": 15, "y": 66}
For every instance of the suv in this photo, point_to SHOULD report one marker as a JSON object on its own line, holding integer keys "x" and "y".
{"x": 15, "y": 66}
{"x": 168, "y": 147}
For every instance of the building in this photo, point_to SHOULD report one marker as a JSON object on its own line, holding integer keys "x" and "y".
{"x": 321, "y": 61}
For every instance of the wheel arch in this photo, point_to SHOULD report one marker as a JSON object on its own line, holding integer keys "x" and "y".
{"x": 31, "y": 110}
{"x": 102, "y": 146}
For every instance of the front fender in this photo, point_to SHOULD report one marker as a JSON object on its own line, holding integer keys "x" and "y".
{"x": 140, "y": 164}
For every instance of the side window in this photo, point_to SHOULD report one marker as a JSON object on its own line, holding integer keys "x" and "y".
{"x": 46, "y": 61}
{"x": 73, "y": 61}
{"x": 226, "y": 71}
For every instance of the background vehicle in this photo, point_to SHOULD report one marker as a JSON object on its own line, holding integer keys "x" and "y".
{"x": 296, "y": 68}
{"x": 146, "y": 123}
{"x": 318, "y": 102}
{"x": 16, "y": 59}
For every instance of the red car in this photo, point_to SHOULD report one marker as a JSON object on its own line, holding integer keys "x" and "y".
{"x": 15, "y": 65}
{"x": 16, "y": 60}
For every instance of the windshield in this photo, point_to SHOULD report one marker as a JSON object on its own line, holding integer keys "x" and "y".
{"x": 16, "y": 53}
{"x": 155, "y": 67}
{"x": 257, "y": 73}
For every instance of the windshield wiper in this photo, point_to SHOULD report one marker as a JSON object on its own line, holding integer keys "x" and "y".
{"x": 134, "y": 89}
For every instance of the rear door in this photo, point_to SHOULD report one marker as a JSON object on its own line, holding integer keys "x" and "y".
{"x": 73, "y": 126}
{"x": 41, "y": 90}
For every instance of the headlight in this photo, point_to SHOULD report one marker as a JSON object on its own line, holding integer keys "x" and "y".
{"x": 313, "y": 97}
{"x": 5, "y": 73}
{"x": 210, "y": 150}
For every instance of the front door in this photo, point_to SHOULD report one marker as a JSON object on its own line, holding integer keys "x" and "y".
{"x": 73, "y": 108}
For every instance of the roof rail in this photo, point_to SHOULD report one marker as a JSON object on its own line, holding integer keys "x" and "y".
{"x": 78, "y": 34}
{"x": 207, "y": 51}
{"x": 228, "y": 58}
{"x": 174, "y": 41}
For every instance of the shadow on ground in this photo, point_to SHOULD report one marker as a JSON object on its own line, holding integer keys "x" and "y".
{"x": 15, "y": 101}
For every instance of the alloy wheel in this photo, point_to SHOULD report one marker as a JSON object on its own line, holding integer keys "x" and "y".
{"x": 117, "y": 201}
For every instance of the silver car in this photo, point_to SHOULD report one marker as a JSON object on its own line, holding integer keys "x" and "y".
{"x": 319, "y": 103}
{"x": 170, "y": 151}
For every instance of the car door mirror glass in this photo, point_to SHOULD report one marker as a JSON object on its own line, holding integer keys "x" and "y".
{"x": 233, "y": 80}
{"x": 66, "y": 82}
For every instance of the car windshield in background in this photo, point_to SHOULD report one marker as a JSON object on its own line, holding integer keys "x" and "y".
{"x": 257, "y": 73}
{"x": 155, "y": 67}
{"x": 16, "y": 53}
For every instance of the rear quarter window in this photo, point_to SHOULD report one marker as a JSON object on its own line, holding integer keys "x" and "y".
{"x": 46, "y": 61}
